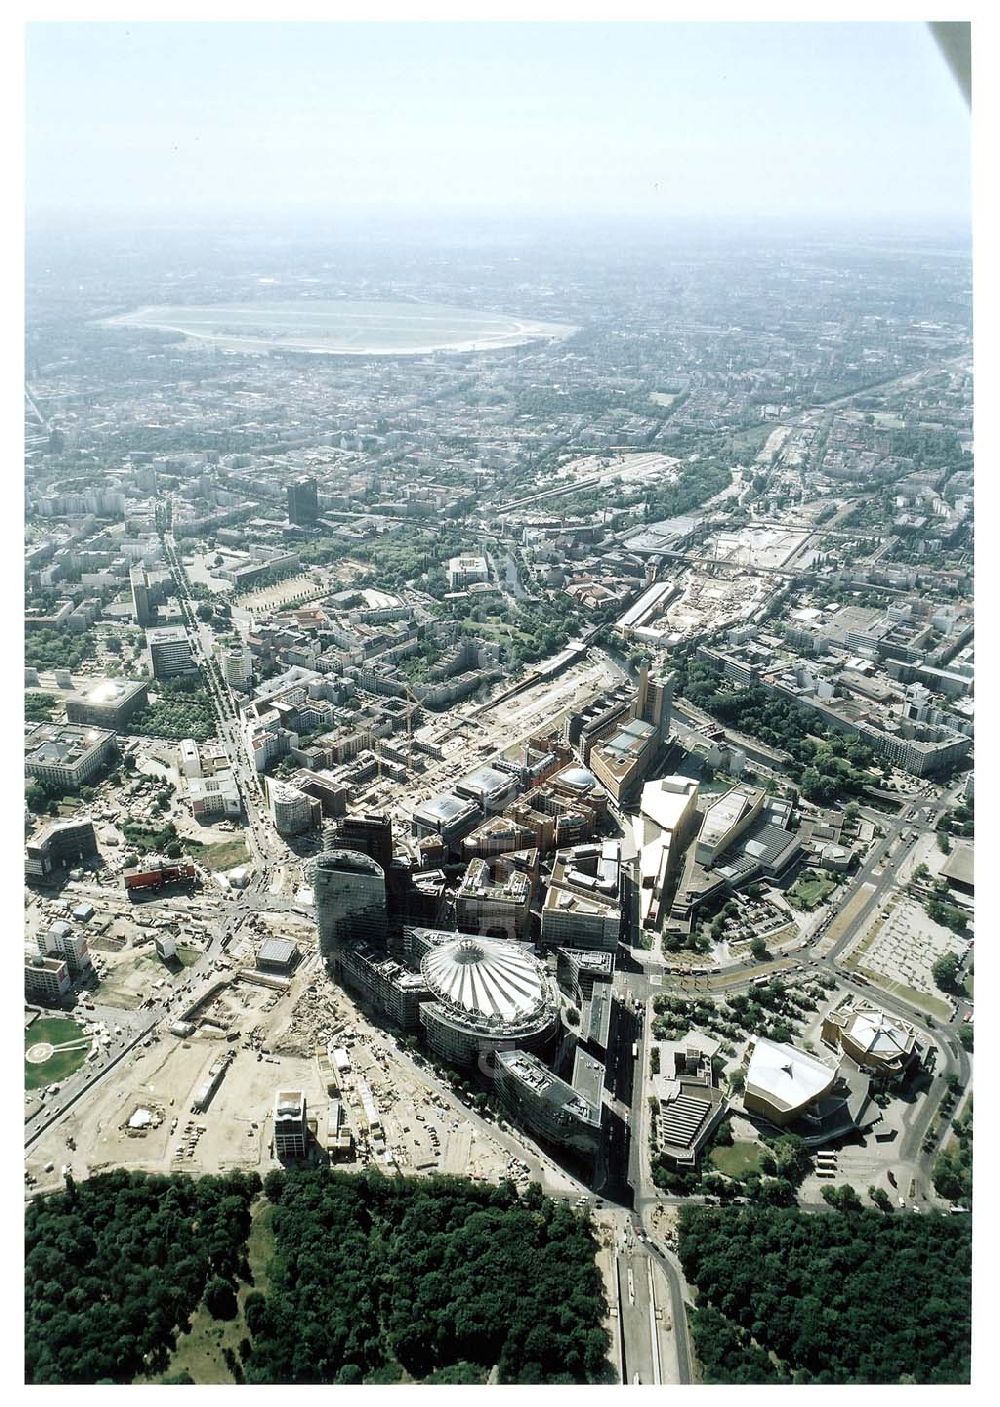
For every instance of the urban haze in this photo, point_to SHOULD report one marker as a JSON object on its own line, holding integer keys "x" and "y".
{"x": 499, "y": 705}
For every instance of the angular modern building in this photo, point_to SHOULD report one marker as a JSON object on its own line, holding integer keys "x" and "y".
{"x": 486, "y": 995}
{"x": 58, "y": 844}
{"x": 725, "y": 820}
{"x": 688, "y": 1104}
{"x": 884, "y": 1045}
{"x": 546, "y": 1105}
{"x": 782, "y": 1082}
{"x": 349, "y": 894}
{"x": 662, "y": 830}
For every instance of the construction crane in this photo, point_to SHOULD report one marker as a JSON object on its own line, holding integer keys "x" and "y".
{"x": 414, "y": 705}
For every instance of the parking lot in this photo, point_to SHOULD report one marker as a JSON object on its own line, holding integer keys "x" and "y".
{"x": 899, "y": 949}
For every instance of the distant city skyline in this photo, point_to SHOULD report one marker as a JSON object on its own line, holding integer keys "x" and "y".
{"x": 754, "y": 121}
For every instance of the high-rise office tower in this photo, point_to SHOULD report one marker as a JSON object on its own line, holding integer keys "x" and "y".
{"x": 370, "y": 833}
{"x": 655, "y": 701}
{"x": 170, "y": 651}
{"x": 349, "y": 893}
{"x": 303, "y": 502}
{"x": 141, "y": 609}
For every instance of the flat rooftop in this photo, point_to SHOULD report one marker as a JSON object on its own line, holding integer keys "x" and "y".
{"x": 277, "y": 950}
{"x": 63, "y": 742}
{"x": 109, "y": 691}
{"x": 588, "y": 1076}
{"x": 724, "y": 814}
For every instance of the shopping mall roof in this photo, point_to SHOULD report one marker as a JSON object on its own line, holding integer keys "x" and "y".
{"x": 578, "y": 778}
{"x": 443, "y": 807}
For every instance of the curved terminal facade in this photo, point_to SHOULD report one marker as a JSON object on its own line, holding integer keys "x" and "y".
{"x": 486, "y": 995}
{"x": 349, "y": 893}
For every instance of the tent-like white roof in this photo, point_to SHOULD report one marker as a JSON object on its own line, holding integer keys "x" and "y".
{"x": 785, "y": 1077}
{"x": 880, "y": 1035}
{"x": 666, "y": 800}
{"x": 487, "y": 977}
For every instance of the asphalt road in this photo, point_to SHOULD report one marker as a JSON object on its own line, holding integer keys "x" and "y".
{"x": 880, "y": 870}
{"x": 640, "y": 1339}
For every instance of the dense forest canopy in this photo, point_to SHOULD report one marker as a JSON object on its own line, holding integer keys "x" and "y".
{"x": 430, "y": 1275}
{"x": 826, "y": 764}
{"x": 848, "y": 1297}
{"x": 115, "y": 1265}
{"x": 372, "y": 1279}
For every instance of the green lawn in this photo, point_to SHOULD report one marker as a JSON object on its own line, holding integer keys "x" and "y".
{"x": 199, "y": 1352}
{"x": 811, "y": 890}
{"x": 55, "y": 1030}
{"x": 754, "y": 437}
{"x": 737, "y": 1159}
{"x": 924, "y": 1001}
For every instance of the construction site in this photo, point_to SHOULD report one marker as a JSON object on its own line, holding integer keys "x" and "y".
{"x": 198, "y": 1096}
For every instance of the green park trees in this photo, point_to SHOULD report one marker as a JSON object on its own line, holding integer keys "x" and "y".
{"x": 442, "y": 1277}
{"x": 183, "y": 709}
{"x": 945, "y": 972}
{"x": 881, "y": 1198}
{"x": 842, "y": 1198}
{"x": 372, "y": 1279}
{"x": 863, "y": 1298}
{"x": 116, "y": 1264}
{"x": 953, "y": 1169}
{"x": 826, "y": 764}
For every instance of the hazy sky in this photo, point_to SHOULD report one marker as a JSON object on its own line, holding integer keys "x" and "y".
{"x": 712, "y": 119}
